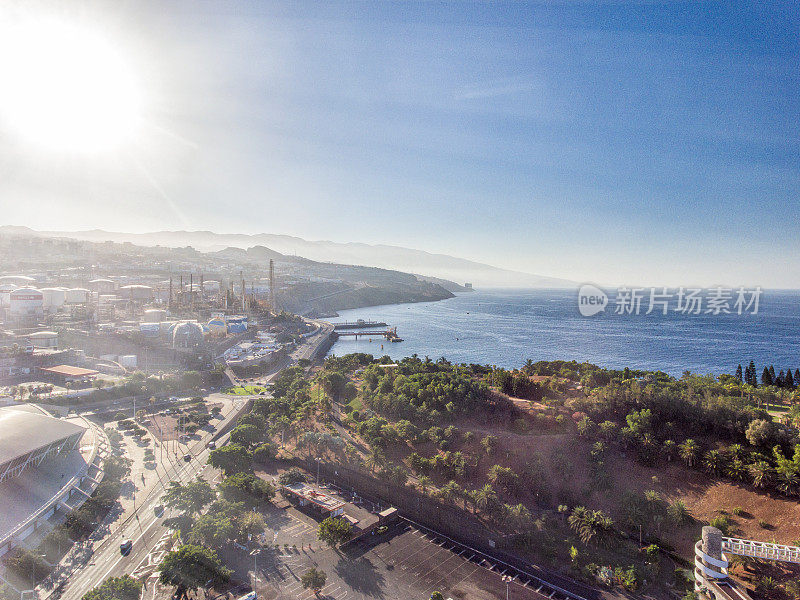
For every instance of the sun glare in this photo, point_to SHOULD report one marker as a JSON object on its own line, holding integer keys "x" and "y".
{"x": 65, "y": 88}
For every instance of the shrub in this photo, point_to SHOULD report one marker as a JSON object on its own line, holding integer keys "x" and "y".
{"x": 722, "y": 523}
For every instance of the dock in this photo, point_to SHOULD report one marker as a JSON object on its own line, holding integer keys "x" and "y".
{"x": 390, "y": 334}
{"x": 360, "y": 324}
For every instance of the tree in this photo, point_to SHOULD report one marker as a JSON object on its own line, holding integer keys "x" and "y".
{"x": 290, "y": 476}
{"x": 116, "y": 588}
{"x": 334, "y": 531}
{"x": 761, "y": 473}
{"x": 689, "y": 450}
{"x": 504, "y": 478}
{"x": 247, "y": 488}
{"x": 191, "y": 497}
{"x": 265, "y": 452}
{"x": 766, "y": 377}
{"x": 739, "y": 373}
{"x": 588, "y": 524}
{"x": 714, "y": 462}
{"x": 246, "y": 435}
{"x": 191, "y": 567}
{"x": 424, "y": 483}
{"x": 212, "y": 529}
{"x": 437, "y": 595}
{"x": 759, "y": 432}
{"x": 314, "y": 579}
{"x": 232, "y": 458}
{"x": 250, "y": 524}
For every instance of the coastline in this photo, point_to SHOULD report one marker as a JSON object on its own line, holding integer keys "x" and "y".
{"x": 506, "y": 327}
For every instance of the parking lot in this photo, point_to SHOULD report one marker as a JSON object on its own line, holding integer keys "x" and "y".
{"x": 405, "y": 563}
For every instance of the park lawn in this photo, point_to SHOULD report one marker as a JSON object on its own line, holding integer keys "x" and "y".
{"x": 245, "y": 390}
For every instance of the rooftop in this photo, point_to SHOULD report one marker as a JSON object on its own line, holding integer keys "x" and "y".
{"x": 23, "y": 431}
{"x": 313, "y": 494}
{"x": 70, "y": 371}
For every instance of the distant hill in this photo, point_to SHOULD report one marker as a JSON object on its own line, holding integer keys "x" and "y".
{"x": 354, "y": 253}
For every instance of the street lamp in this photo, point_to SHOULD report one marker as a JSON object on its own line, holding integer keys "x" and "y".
{"x": 254, "y": 554}
{"x": 508, "y": 579}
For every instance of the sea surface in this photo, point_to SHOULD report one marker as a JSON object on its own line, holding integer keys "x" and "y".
{"x": 507, "y": 327}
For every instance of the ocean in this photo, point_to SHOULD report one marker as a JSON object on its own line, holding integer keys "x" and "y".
{"x": 506, "y": 327}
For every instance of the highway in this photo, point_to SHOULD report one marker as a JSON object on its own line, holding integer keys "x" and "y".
{"x": 143, "y": 527}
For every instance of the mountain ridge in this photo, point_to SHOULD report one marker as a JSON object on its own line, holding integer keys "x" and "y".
{"x": 386, "y": 256}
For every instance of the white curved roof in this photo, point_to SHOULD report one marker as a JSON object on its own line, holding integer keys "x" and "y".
{"x": 22, "y": 432}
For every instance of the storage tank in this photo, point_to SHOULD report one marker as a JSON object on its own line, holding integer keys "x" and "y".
{"x": 128, "y": 361}
{"x": 5, "y": 293}
{"x": 54, "y": 298}
{"x": 211, "y": 286}
{"x": 26, "y": 302}
{"x": 187, "y": 336}
{"x": 77, "y": 296}
{"x": 44, "y": 339}
{"x": 136, "y": 292}
{"x": 102, "y": 286}
{"x": 218, "y": 327}
{"x": 237, "y": 324}
{"x": 18, "y": 280}
{"x": 155, "y": 315}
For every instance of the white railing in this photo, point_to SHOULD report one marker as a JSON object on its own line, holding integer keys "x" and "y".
{"x": 762, "y": 550}
{"x": 58, "y": 496}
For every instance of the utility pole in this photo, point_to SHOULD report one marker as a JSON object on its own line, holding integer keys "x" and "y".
{"x": 507, "y": 579}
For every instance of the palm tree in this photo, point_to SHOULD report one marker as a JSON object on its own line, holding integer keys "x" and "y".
{"x": 424, "y": 483}
{"x": 761, "y": 473}
{"x": 589, "y": 523}
{"x": 737, "y": 452}
{"x": 670, "y": 449}
{"x": 485, "y": 496}
{"x": 450, "y": 491}
{"x": 714, "y": 462}
{"x": 737, "y": 470}
{"x": 787, "y": 482}
{"x": 689, "y": 450}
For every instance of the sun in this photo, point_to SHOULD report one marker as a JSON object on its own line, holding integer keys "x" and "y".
{"x": 64, "y": 88}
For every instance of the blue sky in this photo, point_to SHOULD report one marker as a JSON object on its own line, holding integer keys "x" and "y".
{"x": 619, "y": 142}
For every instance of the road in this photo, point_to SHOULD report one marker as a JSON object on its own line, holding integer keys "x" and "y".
{"x": 143, "y": 527}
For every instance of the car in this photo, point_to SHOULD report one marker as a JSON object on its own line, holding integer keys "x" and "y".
{"x": 212, "y": 445}
{"x": 187, "y": 458}
{"x": 158, "y": 509}
{"x": 173, "y": 398}
{"x": 125, "y": 547}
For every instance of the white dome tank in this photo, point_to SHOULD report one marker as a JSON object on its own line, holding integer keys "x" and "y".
{"x": 26, "y": 302}
{"x": 77, "y": 296}
{"x": 54, "y": 298}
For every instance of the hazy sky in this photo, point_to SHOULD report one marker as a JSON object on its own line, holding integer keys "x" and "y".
{"x": 620, "y": 142}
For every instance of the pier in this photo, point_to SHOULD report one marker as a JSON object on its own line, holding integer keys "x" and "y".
{"x": 390, "y": 334}
{"x": 360, "y": 324}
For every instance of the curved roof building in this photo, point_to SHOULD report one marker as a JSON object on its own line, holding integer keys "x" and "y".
{"x": 187, "y": 336}
{"x": 27, "y": 438}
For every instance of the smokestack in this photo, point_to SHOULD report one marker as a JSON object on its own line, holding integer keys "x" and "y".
{"x": 170, "y": 292}
{"x": 191, "y": 291}
{"x": 181, "y": 292}
{"x": 271, "y": 284}
{"x": 244, "y": 300}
